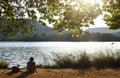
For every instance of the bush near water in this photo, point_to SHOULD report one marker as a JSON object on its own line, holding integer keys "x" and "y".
{"x": 3, "y": 64}
{"x": 100, "y": 60}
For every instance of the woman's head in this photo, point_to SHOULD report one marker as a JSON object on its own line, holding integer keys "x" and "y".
{"x": 31, "y": 59}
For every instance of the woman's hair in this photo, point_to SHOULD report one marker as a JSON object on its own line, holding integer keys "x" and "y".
{"x": 31, "y": 59}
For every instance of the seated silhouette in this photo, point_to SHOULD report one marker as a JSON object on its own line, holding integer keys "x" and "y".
{"x": 31, "y": 67}
{"x": 15, "y": 69}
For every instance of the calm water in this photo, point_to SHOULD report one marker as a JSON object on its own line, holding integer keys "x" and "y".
{"x": 45, "y": 52}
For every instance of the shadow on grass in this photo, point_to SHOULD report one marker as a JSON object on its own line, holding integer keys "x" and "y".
{"x": 24, "y": 74}
{"x": 10, "y": 73}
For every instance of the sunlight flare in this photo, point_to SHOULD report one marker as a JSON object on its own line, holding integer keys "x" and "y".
{"x": 90, "y": 1}
{"x": 87, "y": 1}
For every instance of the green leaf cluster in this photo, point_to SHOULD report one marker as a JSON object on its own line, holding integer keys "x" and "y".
{"x": 112, "y": 13}
{"x": 62, "y": 14}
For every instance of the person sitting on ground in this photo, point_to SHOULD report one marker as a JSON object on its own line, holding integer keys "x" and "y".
{"x": 15, "y": 69}
{"x": 31, "y": 67}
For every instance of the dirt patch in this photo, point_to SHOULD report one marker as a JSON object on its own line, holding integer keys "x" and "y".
{"x": 61, "y": 73}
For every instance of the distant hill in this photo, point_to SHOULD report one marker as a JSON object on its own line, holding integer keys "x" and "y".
{"x": 40, "y": 29}
{"x": 103, "y": 30}
{"x": 99, "y": 30}
{"x": 45, "y": 33}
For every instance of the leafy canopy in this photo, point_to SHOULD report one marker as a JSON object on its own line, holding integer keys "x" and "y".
{"x": 112, "y": 13}
{"x": 62, "y": 14}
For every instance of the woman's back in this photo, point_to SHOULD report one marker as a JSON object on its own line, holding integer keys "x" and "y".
{"x": 31, "y": 66}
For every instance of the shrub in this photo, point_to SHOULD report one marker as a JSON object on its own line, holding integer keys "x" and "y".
{"x": 65, "y": 62}
{"x": 102, "y": 60}
{"x": 83, "y": 61}
{"x": 117, "y": 62}
{"x": 3, "y": 64}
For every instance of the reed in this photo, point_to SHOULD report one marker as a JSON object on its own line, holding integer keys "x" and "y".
{"x": 107, "y": 60}
{"x": 83, "y": 60}
{"x": 3, "y": 64}
{"x": 65, "y": 62}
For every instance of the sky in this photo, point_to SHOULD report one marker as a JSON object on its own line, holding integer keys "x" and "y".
{"x": 99, "y": 22}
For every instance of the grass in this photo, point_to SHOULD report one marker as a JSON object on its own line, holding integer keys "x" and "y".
{"x": 108, "y": 60}
{"x": 65, "y": 62}
{"x": 80, "y": 61}
{"x": 3, "y": 64}
{"x": 101, "y": 60}
{"x": 83, "y": 61}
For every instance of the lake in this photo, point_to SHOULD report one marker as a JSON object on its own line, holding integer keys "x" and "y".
{"x": 45, "y": 52}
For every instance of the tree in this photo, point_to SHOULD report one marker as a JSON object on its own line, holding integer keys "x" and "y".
{"x": 112, "y": 13}
{"x": 62, "y": 14}
{"x": 77, "y": 16}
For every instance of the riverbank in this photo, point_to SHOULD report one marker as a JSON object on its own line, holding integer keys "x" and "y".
{"x": 61, "y": 73}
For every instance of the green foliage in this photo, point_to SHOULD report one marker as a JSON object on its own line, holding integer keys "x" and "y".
{"x": 77, "y": 16}
{"x": 112, "y": 13}
{"x": 107, "y": 60}
{"x": 83, "y": 61}
{"x": 3, "y": 64}
{"x": 10, "y": 28}
{"x": 65, "y": 62}
{"x": 60, "y": 13}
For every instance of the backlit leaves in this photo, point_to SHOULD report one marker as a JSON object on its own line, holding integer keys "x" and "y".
{"x": 62, "y": 14}
{"x": 112, "y": 16}
{"x": 77, "y": 16}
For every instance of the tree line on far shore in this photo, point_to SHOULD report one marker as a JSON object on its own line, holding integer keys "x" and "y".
{"x": 87, "y": 36}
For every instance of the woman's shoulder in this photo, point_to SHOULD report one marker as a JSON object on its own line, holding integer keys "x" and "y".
{"x": 30, "y": 62}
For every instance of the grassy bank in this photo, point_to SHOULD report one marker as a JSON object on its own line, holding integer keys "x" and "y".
{"x": 100, "y": 60}
{"x": 3, "y": 64}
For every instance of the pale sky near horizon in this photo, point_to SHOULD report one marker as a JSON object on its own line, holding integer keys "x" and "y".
{"x": 99, "y": 22}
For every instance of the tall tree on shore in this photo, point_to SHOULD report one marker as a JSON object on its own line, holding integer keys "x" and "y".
{"x": 111, "y": 9}
{"x": 62, "y": 14}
